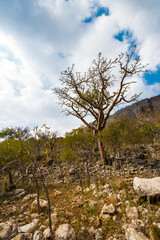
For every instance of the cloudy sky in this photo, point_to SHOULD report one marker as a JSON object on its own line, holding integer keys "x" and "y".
{"x": 41, "y": 38}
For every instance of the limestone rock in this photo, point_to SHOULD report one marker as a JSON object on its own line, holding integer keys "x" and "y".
{"x": 28, "y": 197}
{"x": 91, "y": 231}
{"x": 28, "y": 227}
{"x": 5, "y": 231}
{"x": 133, "y": 234}
{"x": 147, "y": 186}
{"x": 37, "y": 235}
{"x": 98, "y": 234}
{"x": 23, "y": 236}
{"x": 65, "y": 232}
{"x": 18, "y": 191}
{"x": 47, "y": 234}
{"x": 43, "y": 205}
{"x": 108, "y": 209}
{"x": 8, "y": 230}
{"x": 131, "y": 212}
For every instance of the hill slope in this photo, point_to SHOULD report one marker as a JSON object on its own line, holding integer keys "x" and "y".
{"x": 137, "y": 109}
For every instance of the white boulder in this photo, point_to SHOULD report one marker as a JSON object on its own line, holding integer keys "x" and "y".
{"x": 37, "y": 235}
{"x": 43, "y": 205}
{"x": 47, "y": 234}
{"x": 65, "y": 232}
{"x": 8, "y": 230}
{"x": 147, "y": 186}
{"x": 133, "y": 234}
{"x": 28, "y": 228}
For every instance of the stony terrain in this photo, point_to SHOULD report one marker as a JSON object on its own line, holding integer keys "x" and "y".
{"x": 114, "y": 204}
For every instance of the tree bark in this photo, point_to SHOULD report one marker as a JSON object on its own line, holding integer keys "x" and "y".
{"x": 49, "y": 207}
{"x": 11, "y": 185}
{"x": 101, "y": 150}
{"x": 38, "y": 193}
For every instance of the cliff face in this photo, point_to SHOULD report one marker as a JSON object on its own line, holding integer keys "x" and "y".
{"x": 137, "y": 109}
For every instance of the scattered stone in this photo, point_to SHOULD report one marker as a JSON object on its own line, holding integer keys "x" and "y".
{"x": 28, "y": 197}
{"x": 138, "y": 224}
{"x": 98, "y": 234}
{"x": 83, "y": 232}
{"x": 37, "y": 235}
{"x": 105, "y": 216}
{"x": 23, "y": 236}
{"x": 28, "y": 227}
{"x": 8, "y": 230}
{"x": 112, "y": 199}
{"x": 34, "y": 215}
{"x": 91, "y": 231}
{"x": 5, "y": 231}
{"x": 42, "y": 228}
{"x": 108, "y": 209}
{"x": 133, "y": 234}
{"x": 65, "y": 232}
{"x": 131, "y": 212}
{"x": 43, "y": 205}
{"x": 18, "y": 191}
{"x": 54, "y": 217}
{"x": 147, "y": 187}
{"x": 57, "y": 193}
{"x": 158, "y": 213}
{"x": 47, "y": 234}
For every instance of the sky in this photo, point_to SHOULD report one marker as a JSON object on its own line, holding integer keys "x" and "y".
{"x": 39, "y": 39}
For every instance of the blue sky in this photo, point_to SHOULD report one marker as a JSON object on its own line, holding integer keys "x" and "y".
{"x": 41, "y": 38}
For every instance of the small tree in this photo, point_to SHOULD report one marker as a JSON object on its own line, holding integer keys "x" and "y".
{"x": 93, "y": 93}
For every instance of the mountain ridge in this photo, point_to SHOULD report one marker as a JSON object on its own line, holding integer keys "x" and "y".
{"x": 138, "y": 109}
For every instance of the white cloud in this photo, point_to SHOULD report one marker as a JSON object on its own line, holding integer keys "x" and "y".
{"x": 142, "y": 19}
{"x": 40, "y": 39}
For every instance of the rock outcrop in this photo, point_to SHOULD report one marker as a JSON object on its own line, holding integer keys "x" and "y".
{"x": 147, "y": 186}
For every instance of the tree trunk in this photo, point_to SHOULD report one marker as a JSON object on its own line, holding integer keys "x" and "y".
{"x": 11, "y": 185}
{"x": 37, "y": 187}
{"x": 49, "y": 207}
{"x": 101, "y": 150}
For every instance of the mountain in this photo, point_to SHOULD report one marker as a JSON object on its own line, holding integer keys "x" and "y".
{"x": 138, "y": 109}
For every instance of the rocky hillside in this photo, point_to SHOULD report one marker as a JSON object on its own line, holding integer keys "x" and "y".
{"x": 139, "y": 108}
{"x": 118, "y": 203}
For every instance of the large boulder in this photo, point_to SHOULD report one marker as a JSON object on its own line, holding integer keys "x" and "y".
{"x": 65, "y": 232}
{"x": 147, "y": 186}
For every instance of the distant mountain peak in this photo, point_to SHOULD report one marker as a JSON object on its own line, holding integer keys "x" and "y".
{"x": 138, "y": 109}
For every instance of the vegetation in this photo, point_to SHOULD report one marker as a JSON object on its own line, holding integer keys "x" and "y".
{"x": 38, "y": 160}
{"x": 95, "y": 94}
{"x": 20, "y": 152}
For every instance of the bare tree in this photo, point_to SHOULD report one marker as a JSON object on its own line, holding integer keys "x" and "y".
{"x": 94, "y": 93}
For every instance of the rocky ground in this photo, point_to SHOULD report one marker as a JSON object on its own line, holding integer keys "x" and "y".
{"x": 116, "y": 203}
{"x": 113, "y": 209}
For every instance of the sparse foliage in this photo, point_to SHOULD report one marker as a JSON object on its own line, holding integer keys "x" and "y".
{"x": 95, "y": 93}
